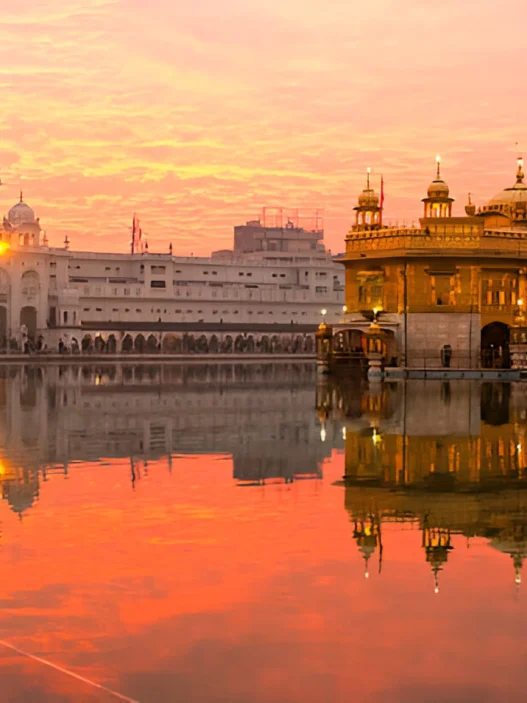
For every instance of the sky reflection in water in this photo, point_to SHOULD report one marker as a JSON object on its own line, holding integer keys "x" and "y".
{"x": 183, "y": 533}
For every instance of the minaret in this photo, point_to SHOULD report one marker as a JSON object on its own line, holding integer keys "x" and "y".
{"x": 438, "y": 203}
{"x": 368, "y": 209}
{"x": 367, "y": 533}
{"x": 437, "y": 544}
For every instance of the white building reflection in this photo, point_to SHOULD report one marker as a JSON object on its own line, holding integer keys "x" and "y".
{"x": 52, "y": 416}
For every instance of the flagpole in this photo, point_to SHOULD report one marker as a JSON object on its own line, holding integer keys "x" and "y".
{"x": 382, "y": 200}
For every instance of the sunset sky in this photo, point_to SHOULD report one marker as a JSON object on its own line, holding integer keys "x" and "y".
{"x": 197, "y": 114}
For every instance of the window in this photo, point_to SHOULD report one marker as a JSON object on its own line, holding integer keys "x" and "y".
{"x": 65, "y": 317}
{"x": 158, "y": 269}
{"x": 206, "y": 273}
{"x": 115, "y": 310}
{"x": 107, "y": 268}
{"x": 53, "y": 265}
{"x": 86, "y": 310}
{"x": 115, "y": 291}
{"x": 74, "y": 318}
{"x": 249, "y": 274}
{"x": 98, "y": 309}
{"x": 138, "y": 291}
{"x": 127, "y": 309}
{"x": 214, "y": 273}
{"x": 158, "y": 284}
{"x": 138, "y": 310}
{"x": 321, "y": 289}
{"x": 127, "y": 291}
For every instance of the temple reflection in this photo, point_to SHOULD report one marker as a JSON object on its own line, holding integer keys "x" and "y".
{"x": 52, "y": 416}
{"x": 447, "y": 458}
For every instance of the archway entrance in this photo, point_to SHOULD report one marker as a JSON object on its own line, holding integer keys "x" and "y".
{"x": 495, "y": 346}
{"x": 3, "y": 327}
{"x": 28, "y": 317}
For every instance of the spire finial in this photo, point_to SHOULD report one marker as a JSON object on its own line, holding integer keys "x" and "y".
{"x": 470, "y": 198}
{"x": 21, "y": 196}
{"x": 438, "y": 162}
{"x": 519, "y": 173}
{"x": 368, "y": 171}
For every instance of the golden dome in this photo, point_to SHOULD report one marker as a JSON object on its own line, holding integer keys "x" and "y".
{"x": 512, "y": 196}
{"x": 438, "y": 189}
{"x": 368, "y": 198}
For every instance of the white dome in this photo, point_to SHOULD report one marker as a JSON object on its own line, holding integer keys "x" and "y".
{"x": 21, "y": 214}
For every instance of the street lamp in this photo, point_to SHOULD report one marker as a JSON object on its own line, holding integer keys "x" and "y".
{"x": 324, "y": 312}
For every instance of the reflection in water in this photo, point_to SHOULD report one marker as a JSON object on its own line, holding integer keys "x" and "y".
{"x": 448, "y": 457}
{"x": 54, "y": 416}
{"x": 131, "y": 555}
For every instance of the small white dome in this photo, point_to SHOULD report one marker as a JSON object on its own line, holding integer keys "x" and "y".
{"x": 21, "y": 213}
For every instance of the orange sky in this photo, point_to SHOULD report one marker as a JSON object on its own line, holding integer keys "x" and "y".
{"x": 196, "y": 114}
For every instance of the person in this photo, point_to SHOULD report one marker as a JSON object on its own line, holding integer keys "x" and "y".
{"x": 446, "y": 356}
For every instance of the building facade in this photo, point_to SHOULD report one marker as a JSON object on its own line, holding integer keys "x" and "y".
{"x": 273, "y": 285}
{"x": 447, "y": 291}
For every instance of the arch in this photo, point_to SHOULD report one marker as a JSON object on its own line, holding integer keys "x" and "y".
{"x": 250, "y": 346}
{"x": 495, "y": 339}
{"x": 202, "y": 345}
{"x": 30, "y": 283}
{"x": 139, "y": 344}
{"x": 3, "y": 327}
{"x": 189, "y": 343}
{"x": 86, "y": 344}
{"x": 4, "y": 282}
{"x": 298, "y": 344}
{"x": 227, "y": 345}
{"x": 265, "y": 344}
{"x": 111, "y": 345}
{"x": 239, "y": 344}
{"x": 309, "y": 346}
{"x": 152, "y": 344}
{"x": 170, "y": 344}
{"x": 213, "y": 345}
{"x": 128, "y": 343}
{"x": 99, "y": 344}
{"x": 75, "y": 349}
{"x": 28, "y": 317}
{"x": 276, "y": 345}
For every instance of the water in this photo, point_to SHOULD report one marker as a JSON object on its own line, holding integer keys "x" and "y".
{"x": 183, "y": 533}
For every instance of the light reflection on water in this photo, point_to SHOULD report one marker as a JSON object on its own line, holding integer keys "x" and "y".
{"x": 203, "y": 533}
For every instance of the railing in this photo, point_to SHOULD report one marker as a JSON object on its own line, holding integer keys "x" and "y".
{"x": 416, "y": 239}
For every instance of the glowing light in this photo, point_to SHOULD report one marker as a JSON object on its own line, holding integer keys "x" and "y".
{"x": 323, "y": 434}
{"x": 344, "y": 308}
{"x": 368, "y": 170}
{"x": 520, "y": 302}
{"x": 376, "y": 311}
{"x": 367, "y": 575}
{"x": 436, "y": 589}
{"x": 519, "y": 447}
{"x": 438, "y": 159}
{"x": 324, "y": 311}
{"x": 4, "y": 247}
{"x": 376, "y": 438}
{"x": 343, "y": 433}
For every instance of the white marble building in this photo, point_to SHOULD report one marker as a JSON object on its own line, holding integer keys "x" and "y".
{"x": 51, "y": 294}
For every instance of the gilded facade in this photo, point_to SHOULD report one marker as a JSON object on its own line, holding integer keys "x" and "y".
{"x": 454, "y": 283}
